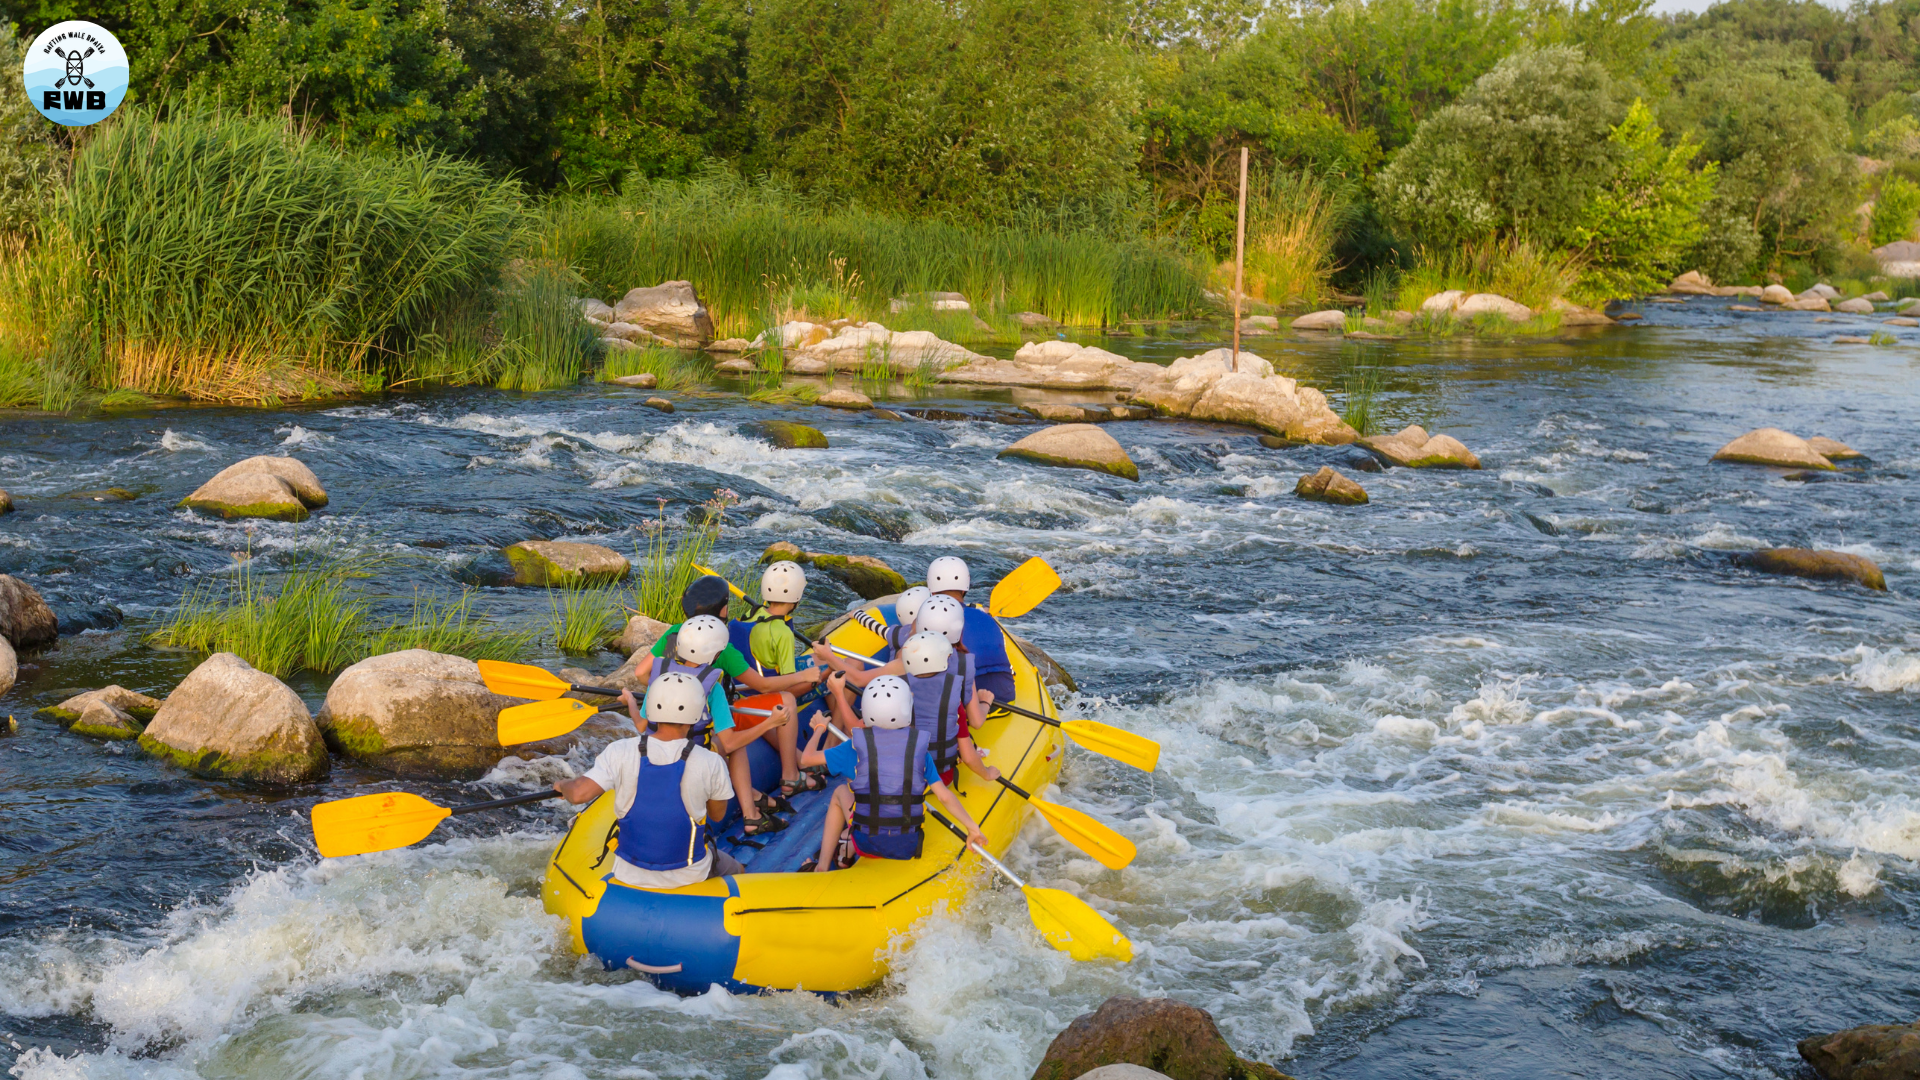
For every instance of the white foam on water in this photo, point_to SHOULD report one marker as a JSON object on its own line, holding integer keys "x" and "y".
{"x": 1887, "y": 671}
{"x": 175, "y": 443}
{"x": 299, "y": 436}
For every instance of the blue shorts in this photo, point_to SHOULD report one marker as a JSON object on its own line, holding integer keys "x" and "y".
{"x": 888, "y": 846}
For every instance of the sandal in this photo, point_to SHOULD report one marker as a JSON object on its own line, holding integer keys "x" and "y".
{"x": 770, "y": 803}
{"x": 802, "y": 784}
{"x": 761, "y": 826}
{"x": 807, "y": 867}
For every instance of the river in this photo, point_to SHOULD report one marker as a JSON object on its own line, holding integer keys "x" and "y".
{"x": 1508, "y": 773}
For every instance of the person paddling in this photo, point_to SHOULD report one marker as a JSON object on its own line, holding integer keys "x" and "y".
{"x": 906, "y": 608}
{"x": 696, "y": 647}
{"x": 889, "y": 772}
{"x": 942, "y": 710}
{"x": 666, "y": 787}
{"x": 772, "y": 648}
{"x": 709, "y": 596}
{"x": 948, "y": 576}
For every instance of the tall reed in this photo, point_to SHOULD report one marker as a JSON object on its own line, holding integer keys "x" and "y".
{"x": 667, "y": 567}
{"x": 581, "y": 616}
{"x": 1293, "y": 221}
{"x": 545, "y": 344}
{"x": 1515, "y": 268}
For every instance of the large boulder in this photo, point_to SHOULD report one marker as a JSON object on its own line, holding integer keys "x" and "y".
{"x": 670, "y": 311}
{"x": 415, "y": 713}
{"x": 1172, "y": 1037}
{"x": 1493, "y": 304}
{"x": 1833, "y": 449}
{"x": 1332, "y": 319}
{"x": 788, "y": 435}
{"x": 1057, "y": 365}
{"x": 1771, "y": 446}
{"x": 227, "y": 720}
{"x": 1329, "y": 486}
{"x": 138, "y": 708}
{"x": 1412, "y": 448}
{"x": 279, "y": 488}
{"x": 1857, "y": 306}
{"x": 640, "y": 633}
{"x": 25, "y": 619}
{"x": 1776, "y": 294}
{"x": 1572, "y": 314}
{"x": 847, "y": 345}
{"x": 1075, "y": 446}
{"x": 564, "y": 562}
{"x": 1442, "y": 303}
{"x": 1869, "y": 1052}
{"x": 9, "y": 666}
{"x": 1819, "y": 565}
{"x": 865, "y": 575}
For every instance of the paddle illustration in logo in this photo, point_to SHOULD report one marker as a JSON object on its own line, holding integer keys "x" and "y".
{"x": 76, "y": 73}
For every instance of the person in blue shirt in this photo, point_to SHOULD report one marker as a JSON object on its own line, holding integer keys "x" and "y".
{"x": 992, "y": 671}
{"x": 889, "y": 771}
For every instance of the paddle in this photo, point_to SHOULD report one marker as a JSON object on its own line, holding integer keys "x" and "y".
{"x": 527, "y": 681}
{"x": 1080, "y": 829}
{"x": 389, "y": 820}
{"x": 1062, "y": 918}
{"x": 539, "y": 721}
{"x": 1117, "y": 743}
{"x": 1021, "y": 591}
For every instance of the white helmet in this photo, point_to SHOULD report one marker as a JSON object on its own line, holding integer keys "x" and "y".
{"x": 926, "y": 653}
{"x": 782, "y": 583}
{"x": 906, "y": 607}
{"x": 702, "y": 639}
{"x": 942, "y": 614}
{"x": 887, "y": 703}
{"x": 948, "y": 572}
{"x": 675, "y": 698}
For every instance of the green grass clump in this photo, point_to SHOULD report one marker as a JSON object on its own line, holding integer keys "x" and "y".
{"x": 582, "y": 616}
{"x": 228, "y": 258}
{"x": 1881, "y": 337}
{"x": 672, "y": 369}
{"x": 454, "y": 629}
{"x": 751, "y": 247}
{"x": 545, "y": 344}
{"x": 1516, "y": 269}
{"x": 34, "y": 383}
{"x": 663, "y": 572}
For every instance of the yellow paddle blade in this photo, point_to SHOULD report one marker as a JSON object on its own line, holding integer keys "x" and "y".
{"x": 1119, "y": 744}
{"x": 1021, "y": 591}
{"x": 538, "y": 721}
{"x": 391, "y": 819}
{"x": 1071, "y": 926}
{"x": 1087, "y": 833}
{"x": 522, "y": 680}
{"x": 731, "y": 587}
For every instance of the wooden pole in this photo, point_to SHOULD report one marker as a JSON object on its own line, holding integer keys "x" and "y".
{"x": 1239, "y": 261}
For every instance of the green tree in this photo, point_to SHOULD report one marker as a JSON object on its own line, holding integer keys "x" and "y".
{"x": 1644, "y": 220}
{"x": 29, "y": 153}
{"x": 1895, "y": 210}
{"x": 804, "y": 58}
{"x": 1520, "y": 154}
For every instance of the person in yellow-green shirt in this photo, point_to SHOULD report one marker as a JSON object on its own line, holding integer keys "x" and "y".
{"x": 771, "y": 646}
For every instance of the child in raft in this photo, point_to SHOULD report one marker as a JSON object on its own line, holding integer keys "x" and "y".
{"x": 881, "y": 807}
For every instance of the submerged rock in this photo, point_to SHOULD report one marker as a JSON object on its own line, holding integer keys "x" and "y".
{"x": 1177, "y": 1039}
{"x": 1833, "y": 449}
{"x": 1772, "y": 446}
{"x": 1572, "y": 314}
{"x": 865, "y": 575}
{"x": 1329, "y": 486}
{"x": 6, "y": 503}
{"x": 1050, "y": 670}
{"x": 415, "y": 713}
{"x": 788, "y": 435}
{"x": 227, "y": 720}
{"x": 1819, "y": 565}
{"x": 564, "y": 562}
{"x": 1412, "y": 448}
{"x": 670, "y": 311}
{"x": 138, "y": 706}
{"x": 841, "y": 397}
{"x": 1075, "y": 446}
{"x": 1868, "y": 1052}
{"x": 277, "y": 488}
{"x": 25, "y": 619}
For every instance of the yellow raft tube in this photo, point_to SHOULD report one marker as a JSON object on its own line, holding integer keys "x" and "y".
{"x": 772, "y": 928}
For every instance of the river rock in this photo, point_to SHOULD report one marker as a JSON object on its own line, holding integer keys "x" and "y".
{"x": 645, "y": 380}
{"x": 1857, "y": 306}
{"x": 25, "y": 619}
{"x": 564, "y": 562}
{"x": 1493, "y": 304}
{"x": 1572, "y": 314}
{"x": 1412, "y": 448}
{"x": 1060, "y": 413}
{"x": 1442, "y": 303}
{"x": 841, "y": 397}
{"x": 294, "y": 472}
{"x": 1177, "y": 1039}
{"x": 138, "y": 706}
{"x": 614, "y": 345}
{"x": 729, "y": 345}
{"x": 659, "y": 404}
{"x": 1807, "y": 303}
{"x": 1075, "y": 446}
{"x": 1051, "y": 672}
{"x": 6, "y": 503}
{"x": 847, "y": 345}
{"x": 1776, "y": 294}
{"x": 788, "y": 435}
{"x": 1898, "y": 321}
{"x": 631, "y": 333}
{"x": 278, "y": 488}
{"x": 1771, "y": 446}
{"x": 1260, "y": 324}
{"x": 1875, "y": 297}
{"x": 103, "y": 720}
{"x": 596, "y": 310}
{"x": 1202, "y": 388}
{"x": 1833, "y": 449}
{"x": 1911, "y": 310}
{"x": 1869, "y": 1052}
{"x": 1818, "y": 565}
{"x": 931, "y": 301}
{"x": 227, "y": 720}
{"x": 415, "y": 713}
{"x": 871, "y": 578}
{"x": 1693, "y": 283}
{"x": 9, "y": 666}
{"x": 1331, "y": 319}
{"x": 671, "y": 311}
{"x": 640, "y": 634}
{"x": 735, "y": 367}
{"x": 1822, "y": 290}
{"x": 1329, "y": 486}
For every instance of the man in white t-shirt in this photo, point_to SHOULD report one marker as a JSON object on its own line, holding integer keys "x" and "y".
{"x": 665, "y": 790}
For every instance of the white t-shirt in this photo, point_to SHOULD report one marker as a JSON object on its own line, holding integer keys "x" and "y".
{"x": 617, "y": 769}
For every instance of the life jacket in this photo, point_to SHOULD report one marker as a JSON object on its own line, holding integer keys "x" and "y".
{"x": 656, "y": 832}
{"x": 896, "y": 636}
{"x": 740, "y": 634}
{"x": 889, "y": 790}
{"x": 937, "y": 701}
{"x": 709, "y": 677}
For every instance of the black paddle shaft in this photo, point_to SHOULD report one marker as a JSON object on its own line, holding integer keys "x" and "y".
{"x": 951, "y": 827}
{"x": 603, "y": 691}
{"x": 496, "y": 804}
{"x": 1013, "y": 787}
{"x": 1012, "y": 708}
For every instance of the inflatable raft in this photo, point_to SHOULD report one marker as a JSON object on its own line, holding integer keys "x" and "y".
{"x": 773, "y": 928}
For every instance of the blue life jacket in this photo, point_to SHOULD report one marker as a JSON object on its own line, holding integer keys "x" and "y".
{"x": 936, "y": 709}
{"x": 889, "y": 791}
{"x": 983, "y": 638}
{"x": 709, "y": 677}
{"x": 656, "y": 833}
